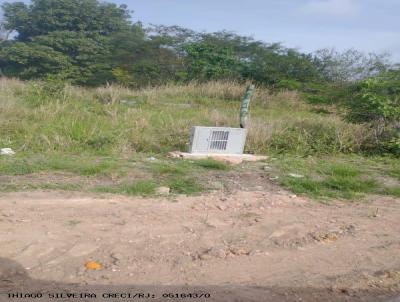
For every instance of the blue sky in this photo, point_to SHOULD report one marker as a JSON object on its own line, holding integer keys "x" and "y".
{"x": 367, "y": 25}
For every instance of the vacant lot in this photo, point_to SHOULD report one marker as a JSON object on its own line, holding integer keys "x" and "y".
{"x": 318, "y": 220}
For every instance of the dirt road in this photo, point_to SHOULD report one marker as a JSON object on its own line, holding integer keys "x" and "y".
{"x": 241, "y": 246}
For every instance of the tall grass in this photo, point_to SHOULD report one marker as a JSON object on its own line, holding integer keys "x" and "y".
{"x": 113, "y": 120}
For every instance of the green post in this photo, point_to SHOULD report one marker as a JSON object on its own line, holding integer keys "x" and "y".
{"x": 244, "y": 107}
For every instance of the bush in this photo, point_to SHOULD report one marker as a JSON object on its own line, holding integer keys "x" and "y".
{"x": 375, "y": 102}
{"x": 289, "y": 84}
{"x": 311, "y": 137}
{"x": 376, "y": 99}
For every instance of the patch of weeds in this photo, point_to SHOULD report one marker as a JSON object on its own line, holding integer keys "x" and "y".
{"x": 46, "y": 186}
{"x": 81, "y": 166}
{"x": 143, "y": 188}
{"x": 75, "y": 164}
{"x": 58, "y": 186}
{"x": 394, "y": 191}
{"x": 96, "y": 168}
{"x": 306, "y": 186}
{"x": 168, "y": 168}
{"x": 394, "y": 173}
{"x": 73, "y": 222}
{"x": 342, "y": 177}
{"x": 211, "y": 164}
{"x": 341, "y": 170}
{"x": 332, "y": 187}
{"x": 9, "y": 188}
{"x": 319, "y": 110}
{"x": 348, "y": 184}
{"x": 185, "y": 186}
{"x": 16, "y": 166}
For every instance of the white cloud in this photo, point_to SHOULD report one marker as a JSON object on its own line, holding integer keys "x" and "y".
{"x": 336, "y": 8}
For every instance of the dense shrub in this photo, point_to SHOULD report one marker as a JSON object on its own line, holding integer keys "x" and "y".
{"x": 375, "y": 103}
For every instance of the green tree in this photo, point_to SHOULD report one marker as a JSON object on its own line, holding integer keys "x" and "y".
{"x": 349, "y": 65}
{"x": 376, "y": 103}
{"x": 206, "y": 61}
{"x": 42, "y": 17}
{"x": 72, "y": 37}
{"x": 375, "y": 99}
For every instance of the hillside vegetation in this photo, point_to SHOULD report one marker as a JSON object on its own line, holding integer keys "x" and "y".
{"x": 107, "y": 135}
{"x": 46, "y": 117}
{"x": 90, "y": 100}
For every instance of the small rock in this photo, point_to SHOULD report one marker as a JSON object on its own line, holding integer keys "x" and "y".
{"x": 219, "y": 253}
{"x": 116, "y": 256}
{"x": 217, "y": 185}
{"x": 255, "y": 252}
{"x": 293, "y": 196}
{"x": 274, "y": 178}
{"x": 6, "y": 151}
{"x": 221, "y": 207}
{"x": 151, "y": 158}
{"x": 267, "y": 168}
{"x": 238, "y": 251}
{"x": 205, "y": 257}
{"x": 163, "y": 190}
{"x": 294, "y": 175}
{"x": 223, "y": 199}
{"x": 129, "y": 102}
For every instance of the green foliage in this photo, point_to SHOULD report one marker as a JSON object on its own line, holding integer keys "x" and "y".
{"x": 211, "y": 164}
{"x": 142, "y": 188}
{"x": 289, "y": 84}
{"x": 376, "y": 103}
{"x": 93, "y": 43}
{"x": 208, "y": 61}
{"x": 15, "y": 166}
{"x": 183, "y": 185}
{"x": 62, "y": 36}
{"x": 43, "y": 17}
{"x": 31, "y": 60}
{"x": 84, "y": 165}
{"x": 122, "y": 76}
{"x": 376, "y": 99}
{"x": 311, "y": 137}
{"x": 343, "y": 177}
{"x": 349, "y": 65}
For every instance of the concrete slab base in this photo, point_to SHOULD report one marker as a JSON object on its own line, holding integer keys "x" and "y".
{"x": 227, "y": 158}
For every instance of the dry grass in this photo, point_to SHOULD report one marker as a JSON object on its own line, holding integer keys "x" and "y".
{"x": 76, "y": 119}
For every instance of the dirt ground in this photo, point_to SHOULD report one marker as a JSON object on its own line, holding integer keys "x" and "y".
{"x": 238, "y": 246}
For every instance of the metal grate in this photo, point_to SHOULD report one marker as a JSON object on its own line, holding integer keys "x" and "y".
{"x": 219, "y": 140}
{"x": 222, "y": 140}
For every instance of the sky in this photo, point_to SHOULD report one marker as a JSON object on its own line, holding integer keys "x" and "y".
{"x": 308, "y": 25}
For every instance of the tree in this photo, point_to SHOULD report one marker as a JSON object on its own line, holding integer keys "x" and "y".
{"x": 375, "y": 102}
{"x": 349, "y": 65}
{"x": 207, "y": 61}
{"x": 42, "y": 17}
{"x": 62, "y": 36}
{"x": 375, "y": 99}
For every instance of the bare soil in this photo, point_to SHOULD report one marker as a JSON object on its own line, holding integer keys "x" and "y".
{"x": 265, "y": 245}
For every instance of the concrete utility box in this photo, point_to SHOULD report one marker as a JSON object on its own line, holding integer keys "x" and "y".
{"x": 217, "y": 140}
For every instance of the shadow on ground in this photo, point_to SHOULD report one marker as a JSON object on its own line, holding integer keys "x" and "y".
{"x": 16, "y": 285}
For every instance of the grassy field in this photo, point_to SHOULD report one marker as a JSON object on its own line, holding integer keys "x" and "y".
{"x": 114, "y": 140}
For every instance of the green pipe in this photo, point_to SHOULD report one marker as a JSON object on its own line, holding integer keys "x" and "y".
{"x": 244, "y": 107}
